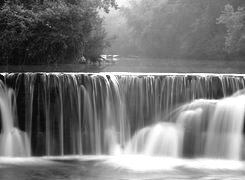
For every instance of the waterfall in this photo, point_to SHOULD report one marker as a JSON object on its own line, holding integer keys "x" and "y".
{"x": 224, "y": 134}
{"x": 13, "y": 142}
{"x": 160, "y": 140}
{"x": 177, "y": 115}
{"x": 202, "y": 128}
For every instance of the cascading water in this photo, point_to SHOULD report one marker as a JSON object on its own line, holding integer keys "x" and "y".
{"x": 224, "y": 135}
{"x": 160, "y": 140}
{"x": 173, "y": 115}
{"x": 13, "y": 142}
{"x": 203, "y": 128}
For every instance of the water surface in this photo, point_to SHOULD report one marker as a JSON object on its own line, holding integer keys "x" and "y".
{"x": 105, "y": 168}
{"x": 138, "y": 64}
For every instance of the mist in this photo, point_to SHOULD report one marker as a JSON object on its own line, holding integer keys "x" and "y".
{"x": 190, "y": 29}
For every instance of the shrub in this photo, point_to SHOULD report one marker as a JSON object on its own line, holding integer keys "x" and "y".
{"x": 54, "y": 32}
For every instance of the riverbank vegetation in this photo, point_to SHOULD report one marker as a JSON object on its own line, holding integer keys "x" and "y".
{"x": 52, "y": 31}
{"x": 71, "y": 31}
{"x": 197, "y": 29}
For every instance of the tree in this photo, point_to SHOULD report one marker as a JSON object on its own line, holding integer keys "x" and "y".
{"x": 235, "y": 24}
{"x": 58, "y": 31}
{"x": 179, "y": 28}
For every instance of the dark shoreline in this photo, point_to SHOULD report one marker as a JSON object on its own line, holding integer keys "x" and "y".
{"x": 141, "y": 65}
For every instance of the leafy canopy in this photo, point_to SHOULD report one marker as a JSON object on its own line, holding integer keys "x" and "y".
{"x": 44, "y": 32}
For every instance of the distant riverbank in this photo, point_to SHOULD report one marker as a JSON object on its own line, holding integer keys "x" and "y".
{"x": 137, "y": 64}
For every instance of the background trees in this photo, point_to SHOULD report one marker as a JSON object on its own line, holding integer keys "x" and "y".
{"x": 63, "y": 31}
{"x": 54, "y": 31}
{"x": 203, "y": 29}
{"x": 235, "y": 25}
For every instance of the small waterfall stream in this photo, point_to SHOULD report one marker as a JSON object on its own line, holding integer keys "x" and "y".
{"x": 177, "y": 115}
{"x": 13, "y": 142}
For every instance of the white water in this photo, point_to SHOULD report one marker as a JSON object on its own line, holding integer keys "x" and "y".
{"x": 202, "y": 128}
{"x": 224, "y": 135}
{"x": 162, "y": 139}
{"x": 116, "y": 113}
{"x": 13, "y": 142}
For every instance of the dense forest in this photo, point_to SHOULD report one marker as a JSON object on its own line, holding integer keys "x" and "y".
{"x": 71, "y": 31}
{"x": 198, "y": 29}
{"x": 51, "y": 31}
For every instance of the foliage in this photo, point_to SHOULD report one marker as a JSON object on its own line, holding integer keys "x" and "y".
{"x": 119, "y": 34}
{"x": 14, "y": 25}
{"x": 235, "y": 24}
{"x": 180, "y": 28}
{"x": 51, "y": 32}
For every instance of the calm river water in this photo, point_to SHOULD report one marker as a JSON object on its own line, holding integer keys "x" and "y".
{"x": 141, "y": 65}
